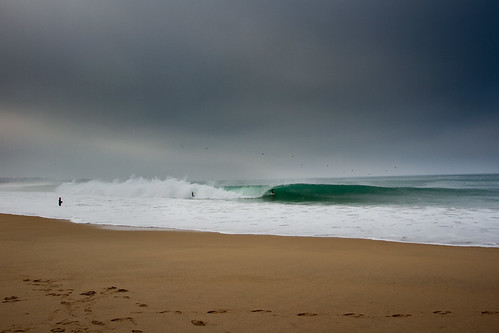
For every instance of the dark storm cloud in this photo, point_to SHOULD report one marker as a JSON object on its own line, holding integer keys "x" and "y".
{"x": 330, "y": 79}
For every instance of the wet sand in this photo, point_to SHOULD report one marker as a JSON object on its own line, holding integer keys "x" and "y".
{"x": 57, "y": 276}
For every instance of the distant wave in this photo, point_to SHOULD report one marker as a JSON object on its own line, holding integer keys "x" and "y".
{"x": 28, "y": 184}
{"x": 364, "y": 194}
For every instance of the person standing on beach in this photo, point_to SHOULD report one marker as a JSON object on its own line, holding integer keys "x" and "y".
{"x": 60, "y": 201}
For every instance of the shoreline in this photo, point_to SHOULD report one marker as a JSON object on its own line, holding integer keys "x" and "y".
{"x": 58, "y": 275}
{"x": 152, "y": 228}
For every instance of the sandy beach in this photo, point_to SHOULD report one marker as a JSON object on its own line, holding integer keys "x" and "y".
{"x": 57, "y": 276}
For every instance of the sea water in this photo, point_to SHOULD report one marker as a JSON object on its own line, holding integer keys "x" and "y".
{"x": 454, "y": 210}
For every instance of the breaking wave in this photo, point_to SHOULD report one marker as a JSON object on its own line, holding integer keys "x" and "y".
{"x": 138, "y": 187}
{"x": 285, "y": 193}
{"x": 365, "y": 194}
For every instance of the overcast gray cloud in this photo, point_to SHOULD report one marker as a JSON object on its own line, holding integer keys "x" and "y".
{"x": 238, "y": 89}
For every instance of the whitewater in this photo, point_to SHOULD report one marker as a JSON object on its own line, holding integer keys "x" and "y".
{"x": 459, "y": 210}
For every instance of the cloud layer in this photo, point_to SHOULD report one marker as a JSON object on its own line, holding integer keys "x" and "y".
{"x": 237, "y": 89}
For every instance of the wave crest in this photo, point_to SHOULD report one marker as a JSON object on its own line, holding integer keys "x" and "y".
{"x": 138, "y": 187}
{"x": 365, "y": 194}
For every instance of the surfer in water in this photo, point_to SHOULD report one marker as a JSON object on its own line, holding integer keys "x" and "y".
{"x": 60, "y": 201}
{"x": 272, "y": 194}
{"x": 192, "y": 193}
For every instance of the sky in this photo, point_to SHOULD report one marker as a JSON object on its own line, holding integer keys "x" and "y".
{"x": 232, "y": 89}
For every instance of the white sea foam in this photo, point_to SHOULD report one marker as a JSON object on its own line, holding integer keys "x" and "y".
{"x": 138, "y": 187}
{"x": 168, "y": 203}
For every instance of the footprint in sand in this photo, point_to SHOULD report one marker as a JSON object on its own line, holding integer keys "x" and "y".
{"x": 108, "y": 290}
{"x": 218, "y": 311}
{"x": 142, "y": 305}
{"x": 306, "y": 314}
{"x": 88, "y": 293}
{"x": 42, "y": 282}
{"x": 11, "y": 299}
{"x": 353, "y": 315}
{"x": 170, "y": 311}
{"x": 57, "y": 294}
{"x": 441, "y": 312}
{"x": 399, "y": 315}
{"x": 263, "y": 311}
{"x": 121, "y": 290}
{"x": 123, "y": 319}
{"x": 67, "y": 322}
{"x": 198, "y": 322}
{"x": 490, "y": 312}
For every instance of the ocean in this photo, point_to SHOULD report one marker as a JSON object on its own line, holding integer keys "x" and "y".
{"x": 459, "y": 210}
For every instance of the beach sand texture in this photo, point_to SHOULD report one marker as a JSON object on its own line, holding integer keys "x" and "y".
{"x": 57, "y": 276}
